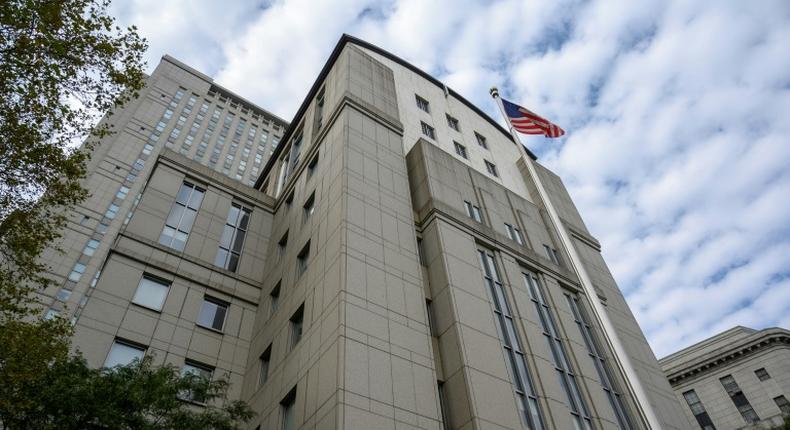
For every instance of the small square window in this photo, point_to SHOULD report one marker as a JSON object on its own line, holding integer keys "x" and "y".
{"x": 212, "y": 313}
{"x": 122, "y": 353}
{"x": 762, "y": 374}
{"x": 76, "y": 272}
{"x": 783, "y": 404}
{"x": 473, "y": 211}
{"x": 422, "y": 103}
{"x": 460, "y": 149}
{"x": 302, "y": 259}
{"x": 491, "y": 167}
{"x": 481, "y": 140}
{"x": 151, "y": 293}
{"x": 453, "y": 123}
{"x": 428, "y": 130}
{"x": 297, "y": 325}
{"x": 90, "y": 247}
{"x": 265, "y": 360}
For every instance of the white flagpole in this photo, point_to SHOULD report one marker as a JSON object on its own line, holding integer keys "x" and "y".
{"x": 598, "y": 310}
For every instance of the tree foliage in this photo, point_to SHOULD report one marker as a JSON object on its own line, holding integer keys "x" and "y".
{"x": 63, "y": 63}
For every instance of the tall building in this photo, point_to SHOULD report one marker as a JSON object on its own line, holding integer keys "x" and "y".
{"x": 737, "y": 379}
{"x": 390, "y": 267}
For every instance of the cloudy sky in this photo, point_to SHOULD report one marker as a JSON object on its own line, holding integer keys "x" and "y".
{"x": 678, "y": 151}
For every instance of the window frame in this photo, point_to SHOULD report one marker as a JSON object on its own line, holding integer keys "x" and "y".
{"x": 154, "y": 280}
{"x": 460, "y": 150}
{"x": 127, "y": 344}
{"x": 219, "y": 303}
{"x": 423, "y": 104}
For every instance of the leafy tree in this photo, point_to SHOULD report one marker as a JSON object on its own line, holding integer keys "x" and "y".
{"x": 63, "y": 63}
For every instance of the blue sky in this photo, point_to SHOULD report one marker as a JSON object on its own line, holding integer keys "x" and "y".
{"x": 677, "y": 152}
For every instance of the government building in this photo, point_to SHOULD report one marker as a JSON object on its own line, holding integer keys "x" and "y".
{"x": 381, "y": 261}
{"x": 738, "y": 379}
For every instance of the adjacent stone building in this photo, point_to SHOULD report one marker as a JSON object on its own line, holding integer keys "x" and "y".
{"x": 738, "y": 379}
{"x": 389, "y": 267}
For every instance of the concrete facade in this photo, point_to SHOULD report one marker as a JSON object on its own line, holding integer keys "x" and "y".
{"x": 738, "y": 379}
{"x": 386, "y": 276}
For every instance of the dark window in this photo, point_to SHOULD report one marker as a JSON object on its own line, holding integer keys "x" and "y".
{"x": 297, "y": 324}
{"x": 428, "y": 130}
{"x": 274, "y": 296}
{"x": 319, "y": 109}
{"x": 739, "y": 399}
{"x": 698, "y": 409}
{"x": 431, "y": 322}
{"x": 783, "y": 405}
{"x": 289, "y": 415}
{"x": 311, "y": 166}
{"x": 232, "y": 239}
{"x": 422, "y": 103}
{"x": 182, "y": 215}
{"x": 290, "y": 199}
{"x": 309, "y": 207}
{"x": 453, "y": 123}
{"x": 302, "y": 259}
{"x": 265, "y": 359}
{"x": 481, "y": 140}
{"x": 491, "y": 167}
{"x": 443, "y": 407}
{"x": 762, "y": 374}
{"x": 282, "y": 245}
{"x": 212, "y": 313}
{"x": 460, "y": 149}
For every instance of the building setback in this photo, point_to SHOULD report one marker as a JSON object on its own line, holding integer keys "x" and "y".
{"x": 736, "y": 379}
{"x": 390, "y": 267}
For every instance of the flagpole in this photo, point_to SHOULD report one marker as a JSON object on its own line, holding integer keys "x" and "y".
{"x": 599, "y": 312}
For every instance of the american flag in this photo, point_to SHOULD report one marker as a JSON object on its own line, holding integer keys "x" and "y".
{"x": 527, "y": 122}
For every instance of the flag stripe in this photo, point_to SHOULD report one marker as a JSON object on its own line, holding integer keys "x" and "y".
{"x": 525, "y": 121}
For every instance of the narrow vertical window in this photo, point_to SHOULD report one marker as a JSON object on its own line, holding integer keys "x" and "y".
{"x": 453, "y": 123}
{"x": 739, "y": 399}
{"x": 514, "y": 234}
{"x": 552, "y": 254}
{"x": 319, "y": 110}
{"x": 491, "y": 167}
{"x": 698, "y": 409}
{"x": 308, "y": 208}
{"x": 565, "y": 373}
{"x": 302, "y": 259}
{"x": 443, "y": 406}
{"x": 473, "y": 211}
{"x": 288, "y": 405}
{"x": 312, "y": 165}
{"x": 428, "y": 130}
{"x": 481, "y": 140}
{"x": 282, "y": 246}
{"x": 614, "y": 395}
{"x": 274, "y": 298}
{"x": 265, "y": 359}
{"x": 232, "y": 240}
{"x": 182, "y": 216}
{"x": 460, "y": 149}
{"x": 515, "y": 360}
{"x": 422, "y": 103}
{"x": 297, "y": 325}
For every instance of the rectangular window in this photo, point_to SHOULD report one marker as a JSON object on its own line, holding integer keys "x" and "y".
{"x": 443, "y": 407}
{"x": 428, "y": 130}
{"x": 274, "y": 296}
{"x": 508, "y": 334}
{"x": 460, "y": 149}
{"x": 90, "y": 247}
{"x": 481, "y": 140}
{"x": 302, "y": 259}
{"x": 514, "y": 234}
{"x": 182, "y": 215}
{"x": 151, "y": 293}
{"x": 473, "y": 211}
{"x": 422, "y": 103}
{"x": 431, "y": 323}
{"x": 199, "y": 370}
{"x": 783, "y": 404}
{"x": 122, "y": 353}
{"x": 552, "y": 253}
{"x": 76, "y": 272}
{"x": 311, "y": 166}
{"x": 698, "y": 409}
{"x": 308, "y": 207}
{"x": 565, "y": 373}
{"x": 319, "y": 109}
{"x": 282, "y": 246}
{"x": 289, "y": 415}
{"x": 605, "y": 374}
{"x": 212, "y": 313}
{"x": 762, "y": 374}
{"x": 491, "y": 167}
{"x": 122, "y": 192}
{"x": 739, "y": 399}
{"x": 453, "y": 123}
{"x": 232, "y": 240}
{"x": 297, "y": 325}
{"x": 111, "y": 211}
{"x": 265, "y": 359}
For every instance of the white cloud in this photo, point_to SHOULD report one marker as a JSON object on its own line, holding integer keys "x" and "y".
{"x": 677, "y": 154}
